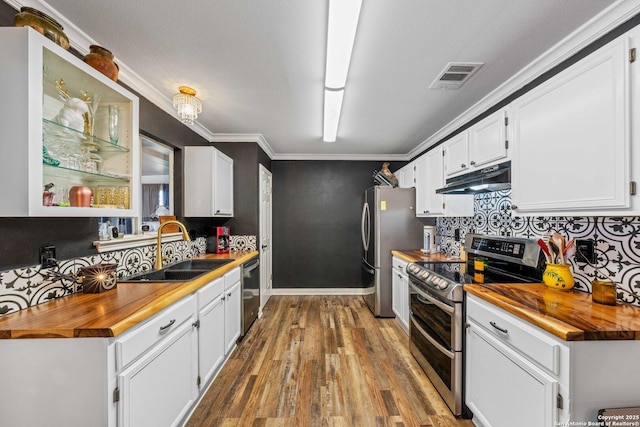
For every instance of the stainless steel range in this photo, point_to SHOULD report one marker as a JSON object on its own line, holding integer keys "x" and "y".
{"x": 436, "y": 300}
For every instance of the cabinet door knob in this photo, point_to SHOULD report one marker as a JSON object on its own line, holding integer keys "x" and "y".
{"x": 472, "y": 163}
{"x": 218, "y": 211}
{"x": 514, "y": 207}
{"x": 463, "y": 166}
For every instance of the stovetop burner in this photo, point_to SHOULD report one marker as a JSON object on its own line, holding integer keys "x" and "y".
{"x": 506, "y": 260}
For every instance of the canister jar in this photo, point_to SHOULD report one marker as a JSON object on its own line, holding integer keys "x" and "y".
{"x": 603, "y": 292}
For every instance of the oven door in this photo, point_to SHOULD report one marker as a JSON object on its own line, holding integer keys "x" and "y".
{"x": 435, "y": 331}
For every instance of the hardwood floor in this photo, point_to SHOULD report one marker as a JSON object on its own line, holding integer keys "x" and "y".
{"x": 322, "y": 361}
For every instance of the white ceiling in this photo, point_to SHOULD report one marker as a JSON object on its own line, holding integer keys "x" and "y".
{"x": 258, "y": 65}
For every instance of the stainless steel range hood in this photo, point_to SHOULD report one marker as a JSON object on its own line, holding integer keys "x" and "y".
{"x": 492, "y": 178}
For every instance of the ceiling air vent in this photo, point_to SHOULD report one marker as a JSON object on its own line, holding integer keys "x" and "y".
{"x": 455, "y": 74}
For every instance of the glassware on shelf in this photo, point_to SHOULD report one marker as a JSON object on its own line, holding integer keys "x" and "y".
{"x": 114, "y": 124}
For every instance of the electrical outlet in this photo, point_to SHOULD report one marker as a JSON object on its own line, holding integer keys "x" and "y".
{"x": 585, "y": 251}
{"x": 48, "y": 256}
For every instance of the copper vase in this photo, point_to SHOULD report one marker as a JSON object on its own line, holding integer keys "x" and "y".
{"x": 80, "y": 196}
{"x": 102, "y": 60}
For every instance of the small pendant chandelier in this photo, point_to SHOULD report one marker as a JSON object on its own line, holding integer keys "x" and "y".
{"x": 187, "y": 104}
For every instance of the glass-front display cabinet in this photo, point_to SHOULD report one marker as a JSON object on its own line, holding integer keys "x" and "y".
{"x": 69, "y": 134}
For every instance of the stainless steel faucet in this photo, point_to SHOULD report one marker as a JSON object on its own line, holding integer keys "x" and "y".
{"x": 185, "y": 237}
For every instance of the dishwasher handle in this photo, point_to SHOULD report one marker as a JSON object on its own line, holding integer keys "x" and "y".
{"x": 249, "y": 266}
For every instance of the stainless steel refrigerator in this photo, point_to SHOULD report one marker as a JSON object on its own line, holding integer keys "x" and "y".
{"x": 388, "y": 223}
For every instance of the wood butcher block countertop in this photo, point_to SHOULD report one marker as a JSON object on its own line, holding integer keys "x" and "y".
{"x": 570, "y": 315}
{"x": 110, "y": 313}
{"x": 419, "y": 256}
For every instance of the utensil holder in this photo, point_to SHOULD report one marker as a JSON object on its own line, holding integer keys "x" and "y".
{"x": 558, "y": 276}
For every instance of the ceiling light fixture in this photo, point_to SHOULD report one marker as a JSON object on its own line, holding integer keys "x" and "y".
{"x": 187, "y": 104}
{"x": 343, "y": 22}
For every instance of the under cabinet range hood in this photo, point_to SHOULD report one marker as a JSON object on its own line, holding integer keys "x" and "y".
{"x": 491, "y": 178}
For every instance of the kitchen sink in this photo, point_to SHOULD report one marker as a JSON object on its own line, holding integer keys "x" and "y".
{"x": 164, "y": 275}
{"x": 199, "y": 264}
{"x": 178, "y": 272}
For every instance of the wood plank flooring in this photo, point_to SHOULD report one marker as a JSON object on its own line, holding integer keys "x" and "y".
{"x": 322, "y": 361}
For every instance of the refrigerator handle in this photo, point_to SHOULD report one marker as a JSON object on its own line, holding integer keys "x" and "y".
{"x": 365, "y": 226}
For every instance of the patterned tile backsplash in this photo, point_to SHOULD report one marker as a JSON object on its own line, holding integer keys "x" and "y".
{"x": 29, "y": 286}
{"x": 617, "y": 240}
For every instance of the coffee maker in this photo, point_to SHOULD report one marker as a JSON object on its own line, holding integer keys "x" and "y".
{"x": 222, "y": 240}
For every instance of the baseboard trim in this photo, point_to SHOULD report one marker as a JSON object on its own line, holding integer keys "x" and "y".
{"x": 319, "y": 291}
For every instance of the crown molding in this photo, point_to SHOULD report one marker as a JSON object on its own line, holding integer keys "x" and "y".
{"x": 607, "y": 20}
{"x": 353, "y": 157}
{"x": 245, "y": 137}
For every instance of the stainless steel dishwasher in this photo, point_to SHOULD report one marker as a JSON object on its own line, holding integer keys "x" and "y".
{"x": 250, "y": 293}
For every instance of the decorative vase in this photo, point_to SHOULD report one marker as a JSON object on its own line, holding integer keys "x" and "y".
{"x": 80, "y": 196}
{"x": 558, "y": 276}
{"x": 42, "y": 23}
{"x": 102, "y": 60}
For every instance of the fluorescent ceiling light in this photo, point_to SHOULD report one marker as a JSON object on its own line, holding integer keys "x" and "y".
{"x": 341, "y": 33}
{"x": 332, "y": 108}
{"x": 343, "y": 22}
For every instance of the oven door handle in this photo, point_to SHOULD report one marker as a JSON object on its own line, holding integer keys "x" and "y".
{"x": 429, "y": 338}
{"x": 432, "y": 300}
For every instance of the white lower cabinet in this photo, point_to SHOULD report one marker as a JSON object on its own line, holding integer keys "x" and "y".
{"x": 518, "y": 374}
{"x": 160, "y": 387}
{"x": 157, "y": 366}
{"x": 400, "y": 292}
{"x": 232, "y": 309}
{"x": 211, "y": 344}
{"x": 498, "y": 380}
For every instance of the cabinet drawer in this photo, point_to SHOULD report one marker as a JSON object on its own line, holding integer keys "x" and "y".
{"x": 399, "y": 265}
{"x": 231, "y": 278}
{"x": 129, "y": 347}
{"x": 210, "y": 292}
{"x": 524, "y": 338}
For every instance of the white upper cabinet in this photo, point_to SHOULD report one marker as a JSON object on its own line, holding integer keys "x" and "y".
{"x": 571, "y": 139}
{"x": 488, "y": 140}
{"x": 208, "y": 182}
{"x": 55, "y": 130}
{"x": 483, "y": 144}
{"x": 405, "y": 176}
{"x": 429, "y": 176}
{"x": 456, "y": 154}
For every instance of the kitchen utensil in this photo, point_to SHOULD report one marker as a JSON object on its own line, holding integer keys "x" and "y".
{"x": 566, "y": 248}
{"x": 556, "y": 252}
{"x": 545, "y": 250}
{"x": 558, "y": 240}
